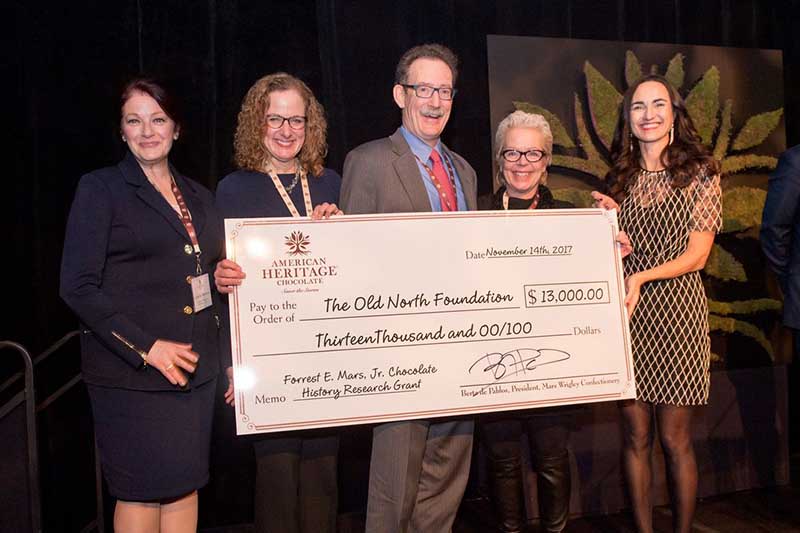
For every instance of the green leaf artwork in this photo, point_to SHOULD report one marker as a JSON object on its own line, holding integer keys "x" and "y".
{"x": 732, "y": 325}
{"x": 756, "y": 129}
{"x": 703, "y": 104}
{"x": 577, "y": 197}
{"x": 633, "y": 69}
{"x": 734, "y": 143}
{"x": 604, "y": 101}
{"x": 745, "y": 307}
{"x": 742, "y": 207}
{"x": 722, "y": 265}
{"x": 675, "y": 74}
{"x": 724, "y": 136}
{"x": 738, "y": 163}
{"x": 560, "y": 135}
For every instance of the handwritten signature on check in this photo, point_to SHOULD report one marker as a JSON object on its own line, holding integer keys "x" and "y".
{"x": 518, "y": 361}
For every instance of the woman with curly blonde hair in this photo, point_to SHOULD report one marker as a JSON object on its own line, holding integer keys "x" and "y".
{"x": 280, "y": 145}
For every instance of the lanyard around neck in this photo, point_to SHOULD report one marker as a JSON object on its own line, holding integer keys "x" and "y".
{"x": 285, "y": 195}
{"x": 186, "y": 218}
{"x": 184, "y": 215}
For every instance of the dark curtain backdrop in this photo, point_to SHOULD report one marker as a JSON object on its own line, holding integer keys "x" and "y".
{"x": 64, "y": 63}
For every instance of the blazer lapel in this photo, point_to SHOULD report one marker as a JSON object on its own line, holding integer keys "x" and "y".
{"x": 408, "y": 172}
{"x": 149, "y": 195}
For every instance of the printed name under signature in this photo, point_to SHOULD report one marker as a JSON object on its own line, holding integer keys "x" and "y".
{"x": 519, "y": 361}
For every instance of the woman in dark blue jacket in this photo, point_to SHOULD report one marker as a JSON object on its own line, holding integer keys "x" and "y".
{"x": 140, "y": 242}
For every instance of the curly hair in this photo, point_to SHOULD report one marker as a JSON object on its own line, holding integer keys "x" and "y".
{"x": 685, "y": 159}
{"x": 248, "y": 142}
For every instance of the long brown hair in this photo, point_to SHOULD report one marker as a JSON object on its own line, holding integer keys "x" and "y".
{"x": 685, "y": 158}
{"x": 248, "y": 142}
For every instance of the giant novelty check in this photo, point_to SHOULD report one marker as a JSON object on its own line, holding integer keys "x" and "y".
{"x": 362, "y": 319}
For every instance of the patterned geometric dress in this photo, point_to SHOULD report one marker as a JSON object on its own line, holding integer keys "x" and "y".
{"x": 669, "y": 327}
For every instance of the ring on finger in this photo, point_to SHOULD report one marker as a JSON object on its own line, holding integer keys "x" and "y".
{"x": 170, "y": 367}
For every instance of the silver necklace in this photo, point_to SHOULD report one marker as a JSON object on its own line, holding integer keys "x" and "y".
{"x": 294, "y": 183}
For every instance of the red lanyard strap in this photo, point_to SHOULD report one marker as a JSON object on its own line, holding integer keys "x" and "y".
{"x": 186, "y": 218}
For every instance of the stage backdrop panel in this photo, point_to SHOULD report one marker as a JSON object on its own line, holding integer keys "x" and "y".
{"x": 735, "y": 98}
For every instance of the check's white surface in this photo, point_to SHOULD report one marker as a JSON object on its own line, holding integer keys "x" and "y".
{"x": 364, "y": 319}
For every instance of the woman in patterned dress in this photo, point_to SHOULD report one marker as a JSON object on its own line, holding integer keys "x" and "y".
{"x": 670, "y": 208}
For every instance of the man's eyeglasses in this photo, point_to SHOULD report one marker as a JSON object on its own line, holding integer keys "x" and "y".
{"x": 534, "y": 156}
{"x": 426, "y": 91}
{"x": 276, "y": 122}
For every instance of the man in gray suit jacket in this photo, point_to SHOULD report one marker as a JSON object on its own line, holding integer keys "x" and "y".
{"x": 419, "y": 469}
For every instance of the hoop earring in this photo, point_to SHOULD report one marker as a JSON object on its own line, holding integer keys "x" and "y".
{"x": 671, "y": 133}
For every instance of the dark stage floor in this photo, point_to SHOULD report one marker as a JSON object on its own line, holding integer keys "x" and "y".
{"x": 775, "y": 510}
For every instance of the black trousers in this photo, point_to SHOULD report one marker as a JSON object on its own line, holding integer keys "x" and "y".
{"x": 296, "y": 483}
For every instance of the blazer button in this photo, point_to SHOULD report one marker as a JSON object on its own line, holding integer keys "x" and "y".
{"x": 187, "y": 310}
{"x": 187, "y": 249}
{"x": 189, "y": 279}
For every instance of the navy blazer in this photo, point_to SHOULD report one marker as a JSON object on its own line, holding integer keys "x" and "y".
{"x": 780, "y": 231}
{"x": 127, "y": 257}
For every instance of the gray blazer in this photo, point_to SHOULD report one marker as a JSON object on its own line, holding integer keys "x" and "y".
{"x": 382, "y": 176}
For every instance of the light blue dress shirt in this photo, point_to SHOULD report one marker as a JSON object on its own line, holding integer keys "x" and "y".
{"x": 423, "y": 151}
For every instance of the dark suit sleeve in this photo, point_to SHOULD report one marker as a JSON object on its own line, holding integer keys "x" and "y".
{"x": 358, "y": 194}
{"x": 85, "y": 247}
{"x": 780, "y": 211}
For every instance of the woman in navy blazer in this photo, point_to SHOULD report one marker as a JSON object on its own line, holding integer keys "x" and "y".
{"x": 150, "y": 344}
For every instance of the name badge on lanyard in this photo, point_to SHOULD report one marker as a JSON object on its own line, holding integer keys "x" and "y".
{"x": 201, "y": 286}
{"x": 201, "y": 292}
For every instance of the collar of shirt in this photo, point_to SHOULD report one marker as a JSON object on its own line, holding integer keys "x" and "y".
{"x": 419, "y": 147}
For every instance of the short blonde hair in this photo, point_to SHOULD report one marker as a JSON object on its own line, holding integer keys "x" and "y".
{"x": 249, "y": 150}
{"x": 521, "y": 119}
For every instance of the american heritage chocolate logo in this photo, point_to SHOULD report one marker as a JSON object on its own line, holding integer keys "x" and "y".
{"x": 298, "y": 243}
{"x": 300, "y": 269}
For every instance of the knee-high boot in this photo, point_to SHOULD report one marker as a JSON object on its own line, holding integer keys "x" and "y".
{"x": 507, "y": 493}
{"x": 553, "y": 487}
